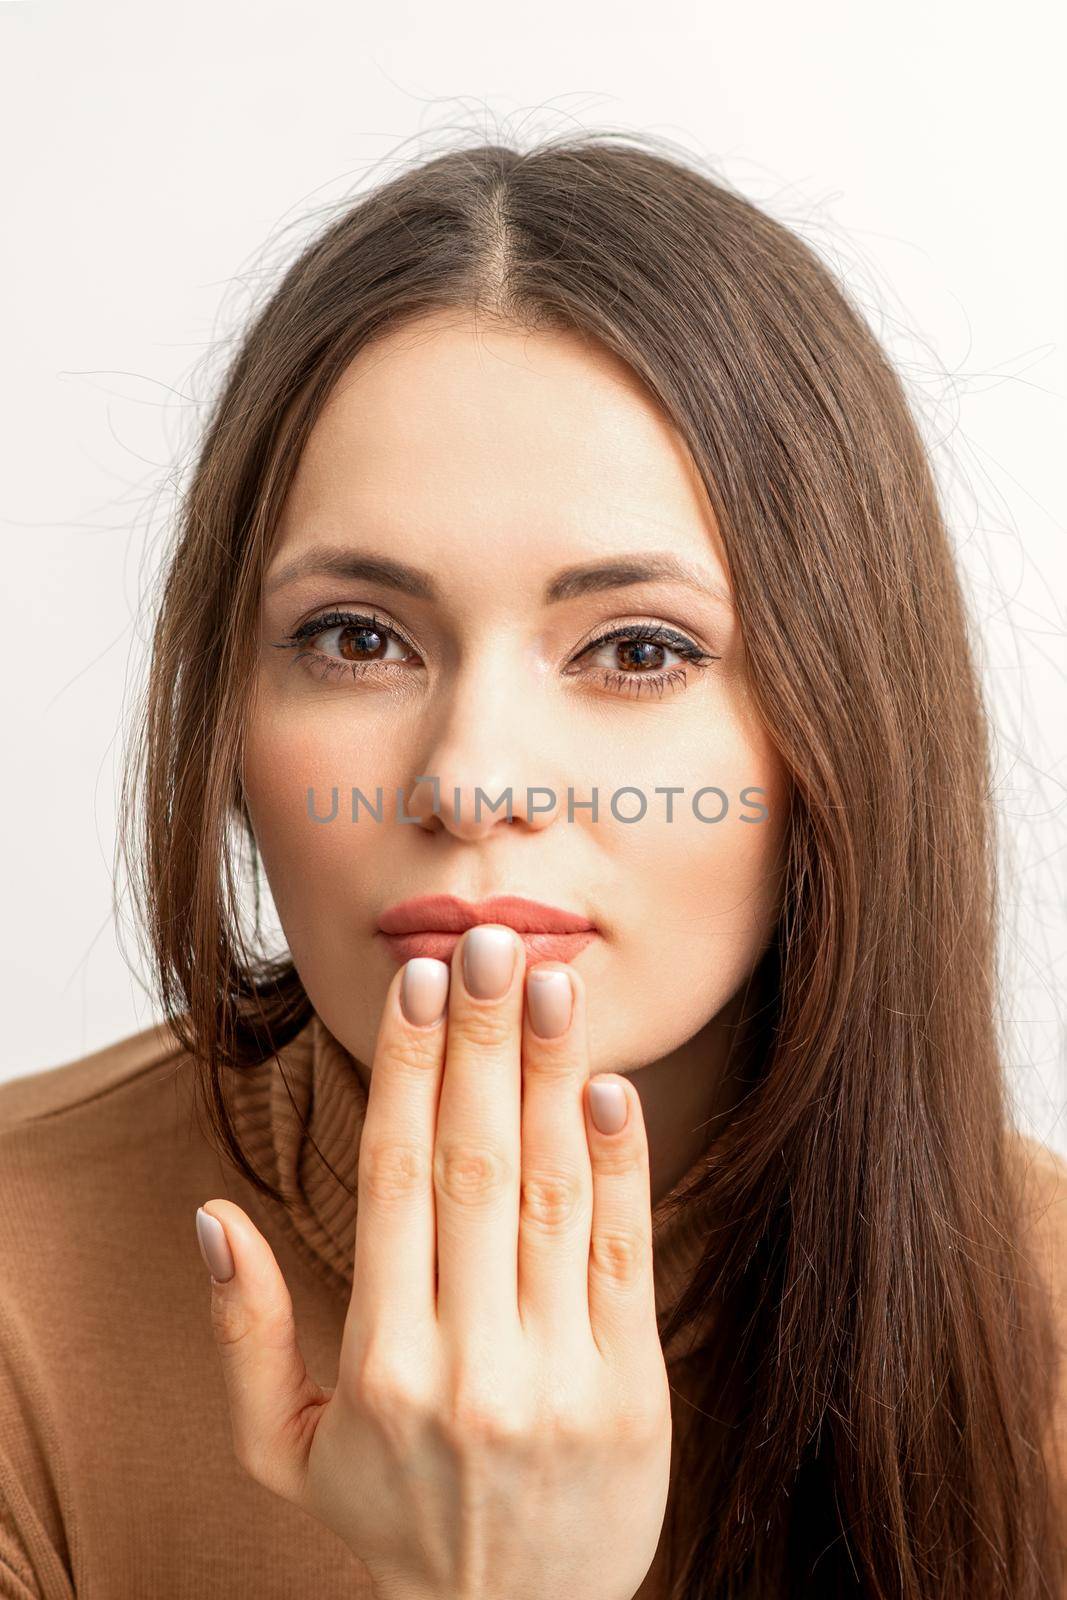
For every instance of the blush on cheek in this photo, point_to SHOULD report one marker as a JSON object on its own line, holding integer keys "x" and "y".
{"x": 302, "y": 857}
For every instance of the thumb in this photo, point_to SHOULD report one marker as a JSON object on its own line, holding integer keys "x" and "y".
{"x": 274, "y": 1405}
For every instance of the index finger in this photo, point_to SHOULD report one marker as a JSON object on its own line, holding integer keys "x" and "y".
{"x": 393, "y": 1289}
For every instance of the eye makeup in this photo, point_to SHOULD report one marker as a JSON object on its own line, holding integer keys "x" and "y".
{"x": 637, "y": 639}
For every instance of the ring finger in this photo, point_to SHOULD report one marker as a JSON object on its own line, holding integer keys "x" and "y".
{"x": 557, "y": 1181}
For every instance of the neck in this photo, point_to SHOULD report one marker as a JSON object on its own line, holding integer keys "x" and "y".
{"x": 687, "y": 1094}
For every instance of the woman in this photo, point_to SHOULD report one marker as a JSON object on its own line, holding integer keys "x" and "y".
{"x": 514, "y": 434}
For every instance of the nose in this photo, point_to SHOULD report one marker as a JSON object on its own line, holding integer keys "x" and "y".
{"x": 486, "y": 767}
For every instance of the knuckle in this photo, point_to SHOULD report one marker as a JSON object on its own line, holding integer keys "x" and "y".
{"x": 620, "y": 1255}
{"x": 475, "y": 1416}
{"x": 230, "y": 1322}
{"x": 639, "y": 1423}
{"x": 620, "y": 1158}
{"x": 392, "y": 1169}
{"x": 415, "y": 1053}
{"x": 470, "y": 1174}
{"x": 564, "y": 1429}
{"x": 383, "y": 1388}
{"x": 549, "y": 1200}
{"x": 553, "y": 1059}
{"x": 485, "y": 1027}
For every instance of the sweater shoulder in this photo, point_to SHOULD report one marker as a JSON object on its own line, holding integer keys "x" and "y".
{"x": 77, "y": 1085}
{"x": 91, "y": 1156}
{"x": 107, "y": 1129}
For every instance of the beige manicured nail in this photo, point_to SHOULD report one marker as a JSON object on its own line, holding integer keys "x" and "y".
{"x": 548, "y": 1002}
{"x": 424, "y": 990}
{"x": 488, "y": 960}
{"x": 214, "y": 1246}
{"x": 607, "y": 1106}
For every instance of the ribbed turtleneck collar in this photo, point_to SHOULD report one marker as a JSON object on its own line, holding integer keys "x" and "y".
{"x": 314, "y": 1081}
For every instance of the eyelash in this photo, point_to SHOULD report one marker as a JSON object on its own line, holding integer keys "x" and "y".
{"x": 625, "y": 682}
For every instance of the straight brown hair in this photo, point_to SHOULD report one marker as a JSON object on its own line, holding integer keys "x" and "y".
{"x": 884, "y": 1356}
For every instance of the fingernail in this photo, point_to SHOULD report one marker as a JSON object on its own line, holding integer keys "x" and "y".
{"x": 607, "y": 1106}
{"x": 214, "y": 1246}
{"x": 549, "y": 1003}
{"x": 488, "y": 960}
{"x": 424, "y": 990}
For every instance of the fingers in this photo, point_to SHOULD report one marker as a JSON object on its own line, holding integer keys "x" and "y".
{"x": 478, "y": 1153}
{"x": 479, "y": 1157}
{"x": 622, "y": 1299}
{"x": 273, "y": 1402}
{"x": 556, "y": 1203}
{"x": 393, "y": 1289}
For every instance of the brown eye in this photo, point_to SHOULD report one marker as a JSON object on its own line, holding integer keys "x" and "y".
{"x": 345, "y": 639}
{"x": 356, "y": 642}
{"x": 638, "y": 659}
{"x": 359, "y": 642}
{"x": 635, "y": 654}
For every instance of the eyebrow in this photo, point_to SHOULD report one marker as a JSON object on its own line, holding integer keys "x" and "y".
{"x": 568, "y": 584}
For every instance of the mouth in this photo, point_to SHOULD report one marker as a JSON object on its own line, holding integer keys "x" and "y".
{"x": 539, "y": 946}
{"x": 432, "y": 925}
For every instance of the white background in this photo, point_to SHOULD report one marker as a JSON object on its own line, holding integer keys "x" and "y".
{"x": 159, "y": 160}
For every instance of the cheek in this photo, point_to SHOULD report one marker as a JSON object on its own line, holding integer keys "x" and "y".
{"x": 699, "y": 901}
{"x": 313, "y": 867}
{"x": 321, "y": 874}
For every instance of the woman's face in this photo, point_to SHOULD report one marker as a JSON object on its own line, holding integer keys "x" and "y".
{"x": 495, "y": 465}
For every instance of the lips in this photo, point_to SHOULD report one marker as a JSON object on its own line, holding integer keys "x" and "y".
{"x": 446, "y": 913}
{"x": 431, "y": 925}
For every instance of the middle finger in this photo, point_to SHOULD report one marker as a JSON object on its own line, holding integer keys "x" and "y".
{"x": 477, "y": 1153}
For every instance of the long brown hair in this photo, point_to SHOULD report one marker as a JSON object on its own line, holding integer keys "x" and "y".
{"x": 883, "y": 1363}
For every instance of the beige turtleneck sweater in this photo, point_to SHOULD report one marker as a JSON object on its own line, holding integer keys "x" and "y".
{"x": 117, "y": 1473}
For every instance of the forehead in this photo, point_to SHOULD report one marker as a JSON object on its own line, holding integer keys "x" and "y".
{"x": 449, "y": 436}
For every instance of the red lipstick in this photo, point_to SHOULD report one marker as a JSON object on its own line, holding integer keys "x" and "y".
{"x": 431, "y": 925}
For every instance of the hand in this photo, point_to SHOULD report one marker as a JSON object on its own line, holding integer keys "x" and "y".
{"x": 507, "y": 1431}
